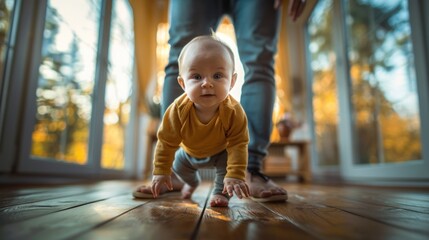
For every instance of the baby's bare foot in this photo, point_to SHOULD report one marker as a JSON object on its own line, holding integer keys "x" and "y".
{"x": 219, "y": 200}
{"x": 187, "y": 191}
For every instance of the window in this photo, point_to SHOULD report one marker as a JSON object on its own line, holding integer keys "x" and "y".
{"x": 119, "y": 87}
{"x": 324, "y": 83}
{"x": 368, "y": 76}
{"x": 66, "y": 81}
{"x": 79, "y": 108}
{"x": 383, "y": 82}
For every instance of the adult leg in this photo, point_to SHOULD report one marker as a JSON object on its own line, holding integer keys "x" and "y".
{"x": 188, "y": 19}
{"x": 256, "y": 24}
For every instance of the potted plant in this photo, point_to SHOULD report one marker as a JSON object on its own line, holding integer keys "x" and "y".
{"x": 286, "y": 125}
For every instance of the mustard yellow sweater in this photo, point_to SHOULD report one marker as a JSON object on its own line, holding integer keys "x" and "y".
{"x": 181, "y": 127}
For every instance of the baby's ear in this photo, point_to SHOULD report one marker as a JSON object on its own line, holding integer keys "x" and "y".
{"x": 181, "y": 82}
{"x": 233, "y": 80}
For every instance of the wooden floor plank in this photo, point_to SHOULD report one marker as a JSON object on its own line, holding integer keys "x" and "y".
{"x": 67, "y": 223}
{"x": 43, "y": 196}
{"x": 245, "y": 219}
{"x": 394, "y": 216}
{"x": 16, "y": 192}
{"x": 401, "y": 218}
{"x": 416, "y": 195}
{"x": 401, "y": 200}
{"x": 63, "y": 191}
{"x": 312, "y": 210}
{"x": 30, "y": 210}
{"x": 166, "y": 218}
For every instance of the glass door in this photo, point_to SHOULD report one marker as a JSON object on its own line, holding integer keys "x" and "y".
{"x": 369, "y": 88}
{"x": 65, "y": 89}
{"x": 386, "y": 89}
{"x": 118, "y": 116}
{"x": 383, "y": 82}
{"x": 323, "y": 86}
{"x": 61, "y": 106}
{"x": 80, "y": 103}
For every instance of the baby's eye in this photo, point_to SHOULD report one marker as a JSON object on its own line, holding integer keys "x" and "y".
{"x": 196, "y": 77}
{"x": 218, "y": 76}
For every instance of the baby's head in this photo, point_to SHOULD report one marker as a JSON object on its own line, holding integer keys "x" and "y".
{"x": 206, "y": 41}
{"x": 206, "y": 70}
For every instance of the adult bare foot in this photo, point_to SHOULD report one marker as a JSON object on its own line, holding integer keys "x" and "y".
{"x": 219, "y": 200}
{"x": 146, "y": 191}
{"x": 263, "y": 189}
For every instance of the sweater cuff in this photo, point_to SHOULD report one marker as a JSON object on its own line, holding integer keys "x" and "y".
{"x": 161, "y": 172}
{"x": 236, "y": 175}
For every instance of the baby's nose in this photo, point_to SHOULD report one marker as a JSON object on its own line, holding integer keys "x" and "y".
{"x": 207, "y": 83}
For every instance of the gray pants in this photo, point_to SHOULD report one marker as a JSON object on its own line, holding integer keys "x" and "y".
{"x": 186, "y": 168}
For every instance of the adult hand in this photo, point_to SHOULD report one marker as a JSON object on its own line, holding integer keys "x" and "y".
{"x": 158, "y": 181}
{"x": 277, "y": 3}
{"x": 238, "y": 186}
{"x": 296, "y": 7}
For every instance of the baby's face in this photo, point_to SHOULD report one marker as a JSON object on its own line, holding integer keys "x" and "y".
{"x": 206, "y": 73}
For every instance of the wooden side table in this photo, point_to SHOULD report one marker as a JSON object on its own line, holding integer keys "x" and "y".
{"x": 303, "y": 172}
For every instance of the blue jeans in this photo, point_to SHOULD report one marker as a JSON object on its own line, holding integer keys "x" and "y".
{"x": 256, "y": 25}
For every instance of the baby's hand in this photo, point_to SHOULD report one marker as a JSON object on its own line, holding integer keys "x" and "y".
{"x": 158, "y": 181}
{"x": 235, "y": 185}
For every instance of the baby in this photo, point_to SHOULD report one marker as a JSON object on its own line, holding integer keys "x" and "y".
{"x": 205, "y": 126}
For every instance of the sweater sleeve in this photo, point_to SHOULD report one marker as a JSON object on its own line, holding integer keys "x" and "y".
{"x": 169, "y": 139}
{"x": 238, "y": 140}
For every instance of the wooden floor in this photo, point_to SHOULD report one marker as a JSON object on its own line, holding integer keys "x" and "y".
{"x": 106, "y": 210}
